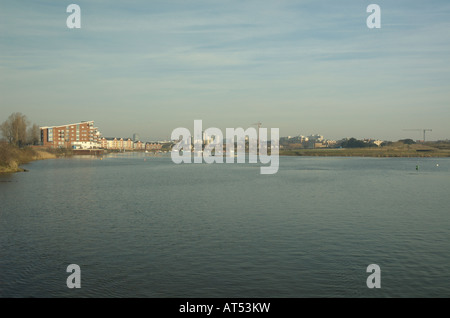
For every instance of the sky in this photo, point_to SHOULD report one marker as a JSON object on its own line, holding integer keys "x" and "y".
{"x": 305, "y": 67}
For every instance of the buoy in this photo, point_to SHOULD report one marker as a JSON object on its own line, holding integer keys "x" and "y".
{"x": 437, "y": 165}
{"x": 417, "y": 167}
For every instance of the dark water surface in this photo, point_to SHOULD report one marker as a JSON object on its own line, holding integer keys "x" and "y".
{"x": 141, "y": 226}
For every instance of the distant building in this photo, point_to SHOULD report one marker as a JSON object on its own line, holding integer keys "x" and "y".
{"x": 104, "y": 143}
{"x": 153, "y": 146}
{"x": 117, "y": 143}
{"x": 373, "y": 142}
{"x": 319, "y": 145}
{"x": 128, "y": 144}
{"x": 121, "y": 144}
{"x": 82, "y": 135}
{"x": 316, "y": 138}
{"x": 377, "y": 142}
{"x": 139, "y": 145}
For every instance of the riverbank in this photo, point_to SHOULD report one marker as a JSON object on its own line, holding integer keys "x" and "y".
{"x": 11, "y": 157}
{"x": 413, "y": 151}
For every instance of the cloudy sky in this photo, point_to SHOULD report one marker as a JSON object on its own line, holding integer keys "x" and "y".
{"x": 304, "y": 66}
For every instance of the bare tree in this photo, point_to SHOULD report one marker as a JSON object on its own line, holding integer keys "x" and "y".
{"x": 14, "y": 129}
{"x": 4, "y": 130}
{"x": 34, "y": 135}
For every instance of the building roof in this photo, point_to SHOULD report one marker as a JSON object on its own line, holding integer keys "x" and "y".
{"x": 82, "y": 122}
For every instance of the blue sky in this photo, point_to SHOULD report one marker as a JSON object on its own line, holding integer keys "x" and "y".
{"x": 305, "y": 67}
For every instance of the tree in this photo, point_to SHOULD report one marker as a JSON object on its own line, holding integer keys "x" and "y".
{"x": 14, "y": 129}
{"x": 3, "y": 130}
{"x": 407, "y": 141}
{"x": 34, "y": 135}
{"x": 354, "y": 143}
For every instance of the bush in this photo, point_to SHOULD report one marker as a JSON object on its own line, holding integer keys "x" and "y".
{"x": 12, "y": 156}
{"x": 354, "y": 143}
{"x": 407, "y": 141}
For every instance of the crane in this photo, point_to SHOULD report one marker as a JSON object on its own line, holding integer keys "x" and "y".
{"x": 258, "y": 124}
{"x": 424, "y": 131}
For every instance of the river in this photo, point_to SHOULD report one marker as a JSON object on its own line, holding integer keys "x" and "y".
{"x": 141, "y": 226}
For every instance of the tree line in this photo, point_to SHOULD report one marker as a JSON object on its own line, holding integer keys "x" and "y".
{"x": 355, "y": 143}
{"x": 18, "y": 131}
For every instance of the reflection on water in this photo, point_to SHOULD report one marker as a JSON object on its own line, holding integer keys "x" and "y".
{"x": 140, "y": 226}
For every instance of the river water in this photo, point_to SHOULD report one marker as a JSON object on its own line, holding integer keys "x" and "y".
{"x": 141, "y": 226}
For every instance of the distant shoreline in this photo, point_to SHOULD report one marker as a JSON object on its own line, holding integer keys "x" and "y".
{"x": 11, "y": 157}
{"x": 383, "y": 152}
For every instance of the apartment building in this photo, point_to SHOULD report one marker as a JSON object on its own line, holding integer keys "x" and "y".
{"x": 153, "y": 146}
{"x": 118, "y": 143}
{"x": 82, "y": 135}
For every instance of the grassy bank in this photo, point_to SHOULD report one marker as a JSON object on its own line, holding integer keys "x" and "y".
{"x": 419, "y": 150}
{"x": 11, "y": 157}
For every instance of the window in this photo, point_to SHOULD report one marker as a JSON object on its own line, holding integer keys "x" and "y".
{"x": 50, "y": 135}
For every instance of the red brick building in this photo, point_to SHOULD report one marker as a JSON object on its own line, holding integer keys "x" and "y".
{"x": 82, "y": 135}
